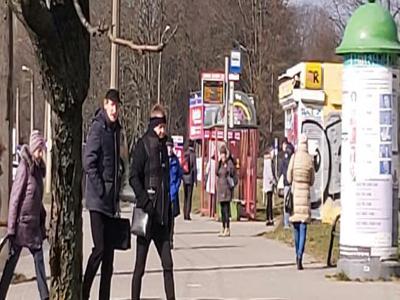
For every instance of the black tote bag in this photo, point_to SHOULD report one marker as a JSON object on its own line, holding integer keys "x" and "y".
{"x": 121, "y": 235}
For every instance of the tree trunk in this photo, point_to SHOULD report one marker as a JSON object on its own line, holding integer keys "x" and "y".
{"x": 6, "y": 68}
{"x": 62, "y": 47}
{"x": 66, "y": 211}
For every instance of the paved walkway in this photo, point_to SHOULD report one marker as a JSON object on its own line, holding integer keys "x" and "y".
{"x": 243, "y": 266}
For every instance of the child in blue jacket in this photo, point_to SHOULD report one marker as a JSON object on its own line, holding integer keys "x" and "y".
{"x": 175, "y": 177}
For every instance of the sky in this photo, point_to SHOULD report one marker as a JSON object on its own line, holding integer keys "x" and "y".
{"x": 315, "y": 2}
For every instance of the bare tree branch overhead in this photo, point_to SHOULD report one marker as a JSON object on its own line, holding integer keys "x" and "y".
{"x": 103, "y": 28}
{"x": 142, "y": 48}
{"x": 93, "y": 30}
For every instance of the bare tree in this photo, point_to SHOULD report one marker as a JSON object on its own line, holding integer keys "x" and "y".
{"x": 316, "y": 42}
{"x": 62, "y": 47}
{"x": 60, "y": 33}
{"x": 342, "y": 10}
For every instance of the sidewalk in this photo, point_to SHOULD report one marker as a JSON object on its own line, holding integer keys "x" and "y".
{"x": 243, "y": 266}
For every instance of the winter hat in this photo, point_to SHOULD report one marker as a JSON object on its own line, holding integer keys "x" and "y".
{"x": 36, "y": 141}
{"x": 170, "y": 142}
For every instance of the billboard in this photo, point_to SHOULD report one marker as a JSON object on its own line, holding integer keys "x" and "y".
{"x": 313, "y": 76}
{"x": 212, "y": 88}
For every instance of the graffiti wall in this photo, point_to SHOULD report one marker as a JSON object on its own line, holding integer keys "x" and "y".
{"x": 312, "y": 122}
{"x": 325, "y": 145}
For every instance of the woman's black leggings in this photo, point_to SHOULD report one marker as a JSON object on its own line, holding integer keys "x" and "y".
{"x": 225, "y": 208}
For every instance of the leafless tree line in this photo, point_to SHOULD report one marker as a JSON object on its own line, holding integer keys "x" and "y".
{"x": 272, "y": 34}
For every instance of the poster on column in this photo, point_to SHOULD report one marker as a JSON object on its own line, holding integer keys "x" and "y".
{"x": 367, "y": 168}
{"x": 395, "y": 141}
{"x": 395, "y": 102}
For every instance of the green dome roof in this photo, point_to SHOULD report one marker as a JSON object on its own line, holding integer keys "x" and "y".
{"x": 371, "y": 29}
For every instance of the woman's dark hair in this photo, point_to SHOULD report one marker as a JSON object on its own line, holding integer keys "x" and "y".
{"x": 268, "y": 150}
{"x": 223, "y": 150}
{"x": 188, "y": 144}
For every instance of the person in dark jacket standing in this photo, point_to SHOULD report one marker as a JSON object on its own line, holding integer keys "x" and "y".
{"x": 288, "y": 150}
{"x": 27, "y": 216}
{"x": 225, "y": 187}
{"x": 150, "y": 182}
{"x": 189, "y": 179}
{"x": 101, "y": 164}
{"x": 175, "y": 178}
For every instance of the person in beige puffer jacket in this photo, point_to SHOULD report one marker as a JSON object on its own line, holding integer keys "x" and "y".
{"x": 301, "y": 175}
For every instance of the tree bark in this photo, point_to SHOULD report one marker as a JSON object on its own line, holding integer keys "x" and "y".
{"x": 62, "y": 47}
{"x": 6, "y": 68}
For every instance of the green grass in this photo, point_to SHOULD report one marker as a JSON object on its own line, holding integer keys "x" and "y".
{"x": 196, "y": 199}
{"x": 318, "y": 238}
{"x": 341, "y": 276}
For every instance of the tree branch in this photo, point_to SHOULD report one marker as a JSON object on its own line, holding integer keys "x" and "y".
{"x": 93, "y": 30}
{"x": 103, "y": 28}
{"x": 396, "y": 13}
{"x": 143, "y": 48}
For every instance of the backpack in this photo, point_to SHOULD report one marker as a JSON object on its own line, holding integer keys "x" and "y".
{"x": 185, "y": 164}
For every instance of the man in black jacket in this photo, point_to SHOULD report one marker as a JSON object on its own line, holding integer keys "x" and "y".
{"x": 150, "y": 182}
{"x": 189, "y": 179}
{"x": 288, "y": 150}
{"x": 101, "y": 164}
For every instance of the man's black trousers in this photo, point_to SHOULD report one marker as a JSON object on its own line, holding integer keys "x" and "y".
{"x": 103, "y": 253}
{"x": 160, "y": 235}
{"x": 187, "y": 204}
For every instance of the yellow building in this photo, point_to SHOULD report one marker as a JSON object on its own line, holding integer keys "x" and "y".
{"x": 310, "y": 94}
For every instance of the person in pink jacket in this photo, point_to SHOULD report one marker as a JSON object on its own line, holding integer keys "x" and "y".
{"x": 27, "y": 216}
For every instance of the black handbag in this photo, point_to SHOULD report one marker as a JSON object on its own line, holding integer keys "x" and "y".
{"x": 289, "y": 202}
{"x": 121, "y": 236}
{"x": 140, "y": 222}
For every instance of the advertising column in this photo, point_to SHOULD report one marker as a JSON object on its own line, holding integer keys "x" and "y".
{"x": 367, "y": 166}
{"x": 368, "y": 243}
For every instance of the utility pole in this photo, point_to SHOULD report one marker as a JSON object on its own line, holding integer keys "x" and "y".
{"x": 32, "y": 95}
{"x": 226, "y": 99}
{"x": 114, "y": 81}
{"x": 48, "y": 135}
{"x": 17, "y": 112}
{"x": 271, "y": 113}
{"x": 6, "y": 102}
{"x": 159, "y": 78}
{"x": 32, "y": 101}
{"x": 160, "y": 65}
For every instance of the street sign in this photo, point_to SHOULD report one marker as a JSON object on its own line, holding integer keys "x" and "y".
{"x": 234, "y": 77}
{"x": 235, "y": 62}
{"x": 196, "y": 116}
